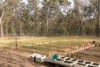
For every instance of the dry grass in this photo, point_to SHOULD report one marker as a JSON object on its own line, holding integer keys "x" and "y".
{"x": 48, "y": 44}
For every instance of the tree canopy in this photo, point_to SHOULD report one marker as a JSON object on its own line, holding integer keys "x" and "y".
{"x": 49, "y": 17}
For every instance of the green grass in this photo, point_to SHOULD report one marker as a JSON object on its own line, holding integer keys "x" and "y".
{"x": 38, "y": 48}
{"x": 48, "y": 44}
{"x": 7, "y": 44}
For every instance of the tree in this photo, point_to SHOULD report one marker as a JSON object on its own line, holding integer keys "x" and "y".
{"x": 98, "y": 22}
{"x": 49, "y": 17}
{"x": 1, "y": 17}
{"x": 1, "y": 23}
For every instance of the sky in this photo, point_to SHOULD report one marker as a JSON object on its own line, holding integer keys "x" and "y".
{"x": 64, "y": 9}
{"x": 25, "y": 1}
{"x": 39, "y": 3}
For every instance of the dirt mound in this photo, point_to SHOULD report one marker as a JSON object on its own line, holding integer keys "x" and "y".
{"x": 8, "y": 59}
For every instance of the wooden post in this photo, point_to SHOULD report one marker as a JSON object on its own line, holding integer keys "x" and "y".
{"x": 16, "y": 43}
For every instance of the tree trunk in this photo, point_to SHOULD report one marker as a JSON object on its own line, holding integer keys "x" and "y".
{"x": 80, "y": 25}
{"x": 1, "y": 24}
{"x": 47, "y": 26}
{"x": 7, "y": 29}
{"x": 21, "y": 29}
{"x": 98, "y": 29}
{"x": 13, "y": 29}
{"x": 2, "y": 35}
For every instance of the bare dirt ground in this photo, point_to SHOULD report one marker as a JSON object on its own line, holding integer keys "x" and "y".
{"x": 9, "y": 58}
{"x": 19, "y": 58}
{"x": 77, "y": 49}
{"x": 91, "y": 54}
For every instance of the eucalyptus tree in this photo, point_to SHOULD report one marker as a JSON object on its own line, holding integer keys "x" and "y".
{"x": 11, "y": 7}
{"x": 92, "y": 17}
{"x": 98, "y": 19}
{"x": 1, "y": 23}
{"x": 23, "y": 18}
{"x": 53, "y": 15}
{"x": 1, "y": 17}
{"x": 48, "y": 17}
{"x": 35, "y": 13}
